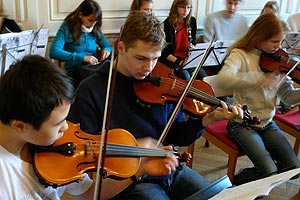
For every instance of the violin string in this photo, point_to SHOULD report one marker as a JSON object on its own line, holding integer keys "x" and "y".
{"x": 125, "y": 150}
{"x": 195, "y": 92}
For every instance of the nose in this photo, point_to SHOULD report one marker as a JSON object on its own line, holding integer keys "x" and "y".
{"x": 149, "y": 65}
{"x": 278, "y": 45}
{"x": 64, "y": 126}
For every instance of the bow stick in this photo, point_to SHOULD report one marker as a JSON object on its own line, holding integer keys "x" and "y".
{"x": 185, "y": 92}
{"x": 105, "y": 127}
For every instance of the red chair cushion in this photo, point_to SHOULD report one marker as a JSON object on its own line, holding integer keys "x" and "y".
{"x": 291, "y": 119}
{"x": 218, "y": 130}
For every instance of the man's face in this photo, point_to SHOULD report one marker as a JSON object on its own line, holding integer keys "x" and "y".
{"x": 231, "y": 7}
{"x": 138, "y": 60}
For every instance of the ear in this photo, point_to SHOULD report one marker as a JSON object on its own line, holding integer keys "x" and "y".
{"x": 120, "y": 47}
{"x": 18, "y": 125}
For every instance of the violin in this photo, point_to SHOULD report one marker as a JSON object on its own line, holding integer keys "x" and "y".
{"x": 162, "y": 86}
{"x": 76, "y": 152}
{"x": 280, "y": 62}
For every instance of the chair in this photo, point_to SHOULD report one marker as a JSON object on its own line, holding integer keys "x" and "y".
{"x": 289, "y": 122}
{"x": 216, "y": 134}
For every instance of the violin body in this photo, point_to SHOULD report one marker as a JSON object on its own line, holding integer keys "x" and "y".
{"x": 280, "y": 62}
{"x": 66, "y": 165}
{"x": 170, "y": 88}
{"x": 77, "y": 152}
{"x": 162, "y": 85}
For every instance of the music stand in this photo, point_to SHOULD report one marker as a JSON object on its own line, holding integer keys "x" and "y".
{"x": 212, "y": 189}
{"x": 291, "y": 43}
{"x": 14, "y": 46}
{"x": 215, "y": 58}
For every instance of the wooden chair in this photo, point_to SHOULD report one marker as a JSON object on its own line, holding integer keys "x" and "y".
{"x": 289, "y": 122}
{"x": 216, "y": 134}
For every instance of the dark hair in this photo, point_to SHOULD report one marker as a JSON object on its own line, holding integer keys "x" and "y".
{"x": 31, "y": 89}
{"x": 145, "y": 27}
{"x": 86, "y": 8}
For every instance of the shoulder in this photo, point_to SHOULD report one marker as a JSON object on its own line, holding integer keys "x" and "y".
{"x": 193, "y": 20}
{"x": 166, "y": 22}
{"x": 215, "y": 15}
{"x": 294, "y": 16}
{"x": 240, "y": 16}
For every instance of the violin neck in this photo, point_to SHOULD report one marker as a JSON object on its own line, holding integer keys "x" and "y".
{"x": 204, "y": 97}
{"x": 133, "y": 151}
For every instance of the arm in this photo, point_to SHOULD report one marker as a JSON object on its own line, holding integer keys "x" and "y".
{"x": 240, "y": 71}
{"x": 184, "y": 132}
{"x": 57, "y": 48}
{"x": 167, "y": 53}
{"x": 209, "y": 29}
{"x": 11, "y": 25}
{"x": 193, "y": 26}
{"x": 288, "y": 94}
{"x": 149, "y": 165}
{"x": 105, "y": 47}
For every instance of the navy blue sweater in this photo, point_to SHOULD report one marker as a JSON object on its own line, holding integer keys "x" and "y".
{"x": 141, "y": 120}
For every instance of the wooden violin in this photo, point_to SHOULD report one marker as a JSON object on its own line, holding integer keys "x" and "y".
{"x": 162, "y": 86}
{"x": 77, "y": 152}
{"x": 280, "y": 62}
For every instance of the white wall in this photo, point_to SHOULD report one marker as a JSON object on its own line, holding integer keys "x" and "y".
{"x": 31, "y": 14}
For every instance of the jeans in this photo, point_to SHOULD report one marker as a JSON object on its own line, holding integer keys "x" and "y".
{"x": 180, "y": 185}
{"x": 266, "y": 147}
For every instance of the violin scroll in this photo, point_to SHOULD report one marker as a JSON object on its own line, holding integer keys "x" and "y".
{"x": 248, "y": 121}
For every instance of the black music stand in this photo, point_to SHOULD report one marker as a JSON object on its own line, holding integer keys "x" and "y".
{"x": 215, "y": 59}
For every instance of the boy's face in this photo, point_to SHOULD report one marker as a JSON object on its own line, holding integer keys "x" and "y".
{"x": 52, "y": 129}
{"x": 137, "y": 61}
{"x": 231, "y": 7}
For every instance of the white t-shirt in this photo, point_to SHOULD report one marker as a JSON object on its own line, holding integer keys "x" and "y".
{"x": 294, "y": 22}
{"x": 18, "y": 181}
{"x": 224, "y": 28}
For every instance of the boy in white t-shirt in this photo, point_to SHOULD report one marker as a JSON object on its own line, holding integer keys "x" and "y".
{"x": 35, "y": 98}
{"x": 226, "y": 24}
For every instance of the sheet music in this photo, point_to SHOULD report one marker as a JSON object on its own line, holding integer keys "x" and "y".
{"x": 254, "y": 189}
{"x": 14, "y": 46}
{"x": 216, "y": 55}
{"x": 291, "y": 43}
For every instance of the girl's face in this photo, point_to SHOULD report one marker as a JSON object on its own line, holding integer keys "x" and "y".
{"x": 267, "y": 10}
{"x": 183, "y": 11}
{"x": 88, "y": 21}
{"x": 273, "y": 44}
{"x": 146, "y": 7}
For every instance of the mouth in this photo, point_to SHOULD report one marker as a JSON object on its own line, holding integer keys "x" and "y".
{"x": 141, "y": 75}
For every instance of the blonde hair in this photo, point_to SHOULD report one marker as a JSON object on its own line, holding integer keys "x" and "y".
{"x": 264, "y": 27}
